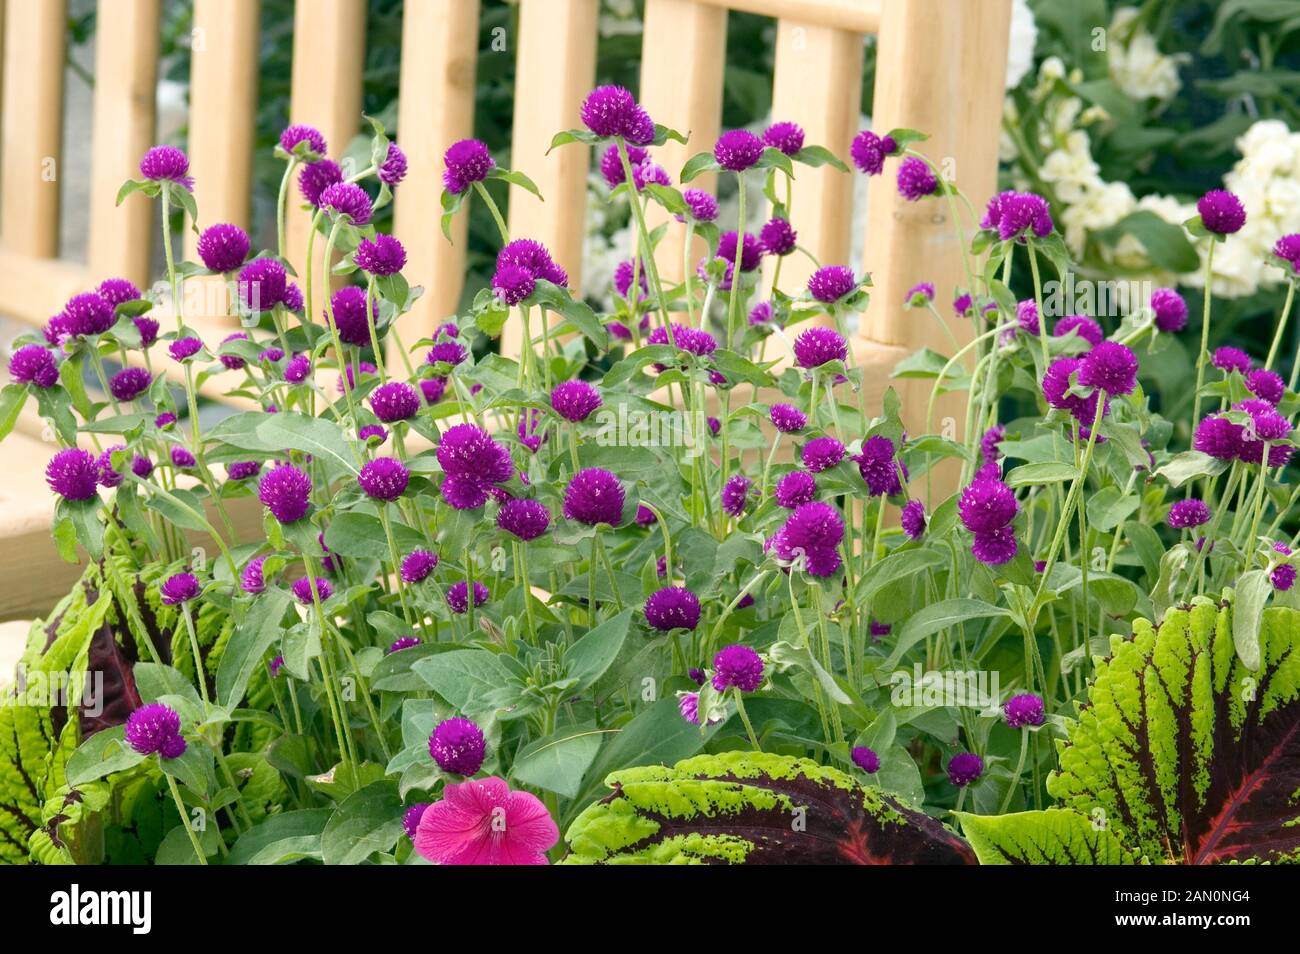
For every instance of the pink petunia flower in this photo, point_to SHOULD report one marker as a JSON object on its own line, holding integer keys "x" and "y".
{"x": 483, "y": 822}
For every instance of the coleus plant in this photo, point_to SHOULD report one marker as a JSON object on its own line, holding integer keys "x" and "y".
{"x": 489, "y": 582}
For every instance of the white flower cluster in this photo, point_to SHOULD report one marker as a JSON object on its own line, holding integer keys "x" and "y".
{"x": 1136, "y": 64}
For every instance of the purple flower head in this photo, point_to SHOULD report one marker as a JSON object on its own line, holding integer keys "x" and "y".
{"x": 182, "y": 349}
{"x": 575, "y": 400}
{"x": 1221, "y": 212}
{"x": 167, "y": 164}
{"x": 994, "y": 547}
{"x": 348, "y": 199}
{"x": 830, "y": 284}
{"x": 1170, "y": 310}
{"x": 108, "y": 477}
{"x": 915, "y": 180}
{"x": 316, "y": 177}
{"x": 285, "y": 491}
{"x": 393, "y": 169}
{"x": 88, "y": 314}
{"x": 243, "y": 469}
{"x": 989, "y": 442}
{"x": 1110, "y": 367}
{"x": 179, "y": 588}
{"x": 447, "y": 352}
{"x": 650, "y": 173}
{"x": 223, "y": 248}
{"x": 736, "y": 495}
{"x": 594, "y": 496}
{"x": 673, "y": 607}
{"x": 1287, "y": 248}
{"x": 411, "y": 818}
{"x": 297, "y": 368}
{"x": 155, "y": 728}
{"x": 164, "y": 421}
{"x": 868, "y": 151}
{"x": 737, "y": 150}
{"x": 458, "y": 596}
{"x": 737, "y": 666}
{"x": 1024, "y": 709}
{"x": 141, "y": 466}
{"x": 623, "y": 274}
{"x": 182, "y": 458}
{"x": 1281, "y": 548}
{"x": 57, "y": 329}
{"x": 382, "y": 256}
{"x": 115, "y": 291}
{"x": 458, "y": 746}
{"x": 919, "y": 294}
{"x": 234, "y": 362}
{"x": 262, "y": 284}
{"x": 525, "y": 519}
{"x": 813, "y": 532}
{"x": 787, "y": 418}
{"x": 795, "y": 488}
{"x": 962, "y": 304}
{"x": 533, "y": 257}
{"x": 786, "y": 137}
{"x": 1189, "y": 513}
{"x": 513, "y": 283}
{"x": 878, "y": 468}
{"x": 252, "y": 579}
{"x": 405, "y": 642}
{"x": 1266, "y": 385}
{"x": 473, "y": 463}
{"x": 964, "y": 768}
{"x": 986, "y": 505}
{"x": 1283, "y": 576}
{"x": 35, "y": 364}
{"x": 645, "y": 517}
{"x": 822, "y": 453}
{"x": 611, "y": 163}
{"x": 73, "y": 474}
{"x": 147, "y": 329}
{"x": 703, "y": 206}
{"x": 467, "y": 162}
{"x": 751, "y": 253}
{"x": 778, "y": 237}
{"x": 349, "y": 307}
{"x": 1218, "y": 437}
{"x": 685, "y": 338}
{"x": 819, "y": 345}
{"x": 1014, "y": 214}
{"x": 913, "y": 519}
{"x": 395, "y": 401}
{"x": 1228, "y": 359}
{"x": 610, "y": 111}
{"x": 865, "y": 759}
{"x": 304, "y": 594}
{"x": 417, "y": 565}
{"x": 297, "y": 133}
{"x": 1083, "y": 326}
{"x": 384, "y": 478}
{"x": 292, "y": 299}
{"x": 432, "y": 389}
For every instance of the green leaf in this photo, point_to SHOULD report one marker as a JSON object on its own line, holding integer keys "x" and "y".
{"x": 819, "y": 156}
{"x": 578, "y": 313}
{"x": 896, "y": 566}
{"x": 12, "y": 399}
{"x": 1035, "y": 475}
{"x": 192, "y": 768}
{"x": 1051, "y": 837}
{"x": 774, "y": 159}
{"x": 84, "y": 515}
{"x": 588, "y": 658}
{"x": 368, "y": 820}
{"x": 102, "y": 754}
{"x": 931, "y": 619}
{"x": 1166, "y": 243}
{"x": 1189, "y": 465}
{"x": 466, "y": 678}
{"x": 247, "y": 647}
{"x": 1250, "y": 596}
{"x": 573, "y": 135}
{"x": 282, "y": 839}
{"x": 517, "y": 178}
{"x": 699, "y": 163}
{"x": 1110, "y": 507}
{"x": 558, "y": 762}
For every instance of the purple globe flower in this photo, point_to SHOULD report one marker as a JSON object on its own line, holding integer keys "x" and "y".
{"x": 382, "y": 256}
{"x": 286, "y": 492}
{"x": 393, "y": 169}
{"x": 986, "y": 505}
{"x": 182, "y": 349}
{"x": 467, "y": 162}
{"x": 1082, "y": 326}
{"x": 147, "y": 329}
{"x": 869, "y": 151}
{"x": 913, "y": 519}
{"x": 223, "y": 248}
{"x": 34, "y": 364}
{"x": 348, "y": 199}
{"x": 737, "y": 666}
{"x": 575, "y": 400}
{"x": 349, "y": 307}
{"x": 1186, "y": 514}
{"x": 417, "y": 565}
{"x": 1287, "y": 249}
{"x": 182, "y": 458}
{"x": 787, "y": 418}
{"x": 594, "y": 496}
{"x": 243, "y": 469}
{"x": 737, "y": 150}
{"x": 447, "y": 352}
{"x": 751, "y": 251}
{"x": 1218, "y": 437}
{"x": 735, "y": 495}
{"x": 611, "y": 163}
{"x": 1283, "y": 577}
{"x": 819, "y": 345}
{"x": 1266, "y": 385}
{"x": 108, "y": 477}
{"x": 167, "y": 164}
{"x": 458, "y": 746}
{"x": 297, "y": 368}
{"x": 513, "y": 283}
{"x": 384, "y": 478}
{"x": 650, "y": 173}
{"x": 405, "y": 642}
{"x": 292, "y": 299}
{"x": 919, "y": 294}
{"x": 179, "y": 588}
{"x": 685, "y": 338}
{"x": 822, "y": 453}
{"x": 611, "y": 111}
{"x": 297, "y": 133}
{"x": 964, "y": 768}
{"x": 784, "y": 136}
{"x": 252, "y": 579}
{"x": 155, "y": 729}
{"x": 1228, "y": 359}
{"x": 473, "y": 463}
{"x": 703, "y": 206}
{"x": 865, "y": 759}
{"x": 1170, "y": 310}
{"x": 878, "y": 467}
{"x": 673, "y": 607}
{"x": 830, "y": 284}
{"x": 1024, "y": 709}
{"x": 262, "y": 284}
{"x": 915, "y": 180}
{"x": 1221, "y": 212}
{"x": 141, "y": 466}
{"x": 88, "y": 314}
{"x": 115, "y": 291}
{"x": 304, "y": 594}
{"x": 990, "y": 441}
{"x": 533, "y": 257}
{"x": 813, "y": 532}
{"x": 525, "y": 519}
{"x": 1015, "y": 214}
{"x": 994, "y": 547}
{"x": 1110, "y": 367}
{"x": 395, "y": 401}
{"x": 795, "y": 488}
{"x": 316, "y": 177}
{"x": 73, "y": 474}
{"x": 411, "y": 818}
{"x": 458, "y": 596}
{"x": 234, "y": 362}
{"x": 778, "y": 237}
{"x": 1056, "y": 389}
{"x": 376, "y": 431}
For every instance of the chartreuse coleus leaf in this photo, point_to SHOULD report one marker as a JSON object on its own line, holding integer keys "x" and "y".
{"x": 743, "y": 808}
{"x": 1181, "y": 755}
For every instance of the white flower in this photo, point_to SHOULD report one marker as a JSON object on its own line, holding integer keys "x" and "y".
{"x": 1138, "y": 67}
{"x": 1024, "y": 37}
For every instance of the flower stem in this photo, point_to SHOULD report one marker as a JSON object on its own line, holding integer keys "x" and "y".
{"x": 185, "y": 819}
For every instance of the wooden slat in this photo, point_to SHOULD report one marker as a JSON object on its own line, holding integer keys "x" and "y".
{"x": 32, "y": 127}
{"x": 126, "y": 79}
{"x": 855, "y": 16}
{"x": 816, "y": 85}
{"x": 35, "y": 289}
{"x": 556, "y": 70}
{"x": 435, "y": 109}
{"x": 683, "y": 53}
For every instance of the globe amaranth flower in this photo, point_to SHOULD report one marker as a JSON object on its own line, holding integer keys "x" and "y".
{"x": 534, "y": 258}
{"x": 813, "y": 532}
{"x": 594, "y": 496}
{"x": 986, "y": 505}
{"x": 115, "y": 291}
{"x": 787, "y": 418}
{"x": 737, "y": 666}
{"x": 393, "y": 169}
{"x": 243, "y": 469}
{"x": 784, "y": 136}
{"x": 88, "y": 314}
{"x": 1267, "y": 423}
{"x": 878, "y": 467}
{"x": 458, "y": 746}
{"x": 611, "y": 163}
{"x": 830, "y": 284}
{"x": 513, "y": 283}
{"x": 297, "y": 368}
{"x": 167, "y": 164}
{"x": 673, "y": 607}
{"x": 411, "y": 817}
{"x": 915, "y": 180}
{"x": 913, "y": 519}
{"x": 458, "y": 596}
{"x": 483, "y": 822}
{"x": 432, "y": 389}
{"x": 446, "y": 352}
{"x": 1221, "y": 212}
{"x": 1083, "y": 326}
{"x": 395, "y": 401}
{"x": 865, "y": 759}
{"x": 685, "y": 338}
{"x": 223, "y": 248}
{"x": 990, "y": 441}
{"x": 1110, "y": 367}
{"x": 1186, "y": 514}
{"x": 73, "y": 474}
{"x": 262, "y": 284}
{"x": 35, "y": 364}
{"x": 473, "y": 462}
{"x": 303, "y": 592}
{"x": 688, "y": 704}
{"x": 179, "y": 588}
{"x": 376, "y": 431}
{"x": 964, "y": 768}
{"x": 348, "y": 199}
{"x": 1283, "y": 577}
{"x": 349, "y": 307}
{"x": 1266, "y": 385}
{"x": 108, "y": 477}
{"x": 417, "y": 565}
{"x": 736, "y": 495}
{"x": 182, "y": 349}
{"x": 181, "y": 457}
{"x": 147, "y": 329}
{"x": 296, "y": 133}
{"x": 1014, "y": 214}
{"x": 252, "y": 579}
{"x": 1056, "y": 389}
{"x": 384, "y": 255}
{"x": 384, "y": 478}
{"x": 878, "y": 629}
{"x": 737, "y": 150}
{"x": 575, "y": 400}
{"x": 919, "y": 294}
{"x": 467, "y": 161}
{"x": 819, "y": 345}
{"x": 751, "y": 250}
{"x": 795, "y": 488}
{"x": 405, "y": 642}
{"x": 869, "y": 151}
{"x": 316, "y": 177}
{"x": 611, "y": 111}
{"x": 778, "y": 237}
{"x": 141, "y": 466}
{"x": 647, "y": 173}
{"x": 1024, "y": 709}
{"x": 645, "y": 517}
{"x": 286, "y": 492}
{"x": 994, "y": 547}
{"x": 822, "y": 453}
{"x": 234, "y": 362}
{"x": 155, "y": 728}
{"x": 1170, "y": 310}
{"x": 702, "y": 205}
{"x": 1287, "y": 249}
{"x": 1026, "y": 320}
{"x": 1228, "y": 359}
{"x": 1219, "y": 437}
{"x": 525, "y": 519}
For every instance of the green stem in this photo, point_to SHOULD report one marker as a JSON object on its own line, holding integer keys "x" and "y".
{"x": 185, "y": 819}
